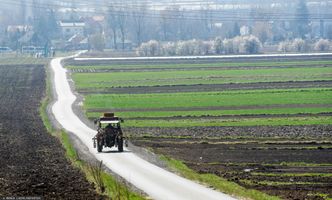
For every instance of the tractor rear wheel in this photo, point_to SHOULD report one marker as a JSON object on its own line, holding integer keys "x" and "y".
{"x": 120, "y": 145}
{"x": 99, "y": 147}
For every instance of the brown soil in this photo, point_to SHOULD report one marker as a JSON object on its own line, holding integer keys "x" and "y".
{"x": 315, "y": 131}
{"x": 248, "y": 116}
{"x": 33, "y": 162}
{"x": 208, "y": 87}
{"x": 240, "y": 154}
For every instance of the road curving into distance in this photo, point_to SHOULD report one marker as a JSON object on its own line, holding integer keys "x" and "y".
{"x": 155, "y": 181}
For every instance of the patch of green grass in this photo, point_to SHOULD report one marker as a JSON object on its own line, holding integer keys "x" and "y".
{"x": 217, "y": 182}
{"x": 44, "y": 104}
{"x": 299, "y": 164}
{"x": 202, "y": 65}
{"x": 231, "y": 122}
{"x": 324, "y": 196}
{"x": 193, "y": 77}
{"x": 208, "y": 99}
{"x": 292, "y": 174}
{"x": 278, "y": 183}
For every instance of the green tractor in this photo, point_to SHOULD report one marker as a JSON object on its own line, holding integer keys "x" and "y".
{"x": 109, "y": 133}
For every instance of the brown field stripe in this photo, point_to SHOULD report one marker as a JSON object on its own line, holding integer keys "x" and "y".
{"x": 209, "y": 87}
{"x": 213, "y": 108}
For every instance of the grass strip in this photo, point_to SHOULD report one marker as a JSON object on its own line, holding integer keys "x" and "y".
{"x": 323, "y": 196}
{"x": 292, "y": 174}
{"x": 277, "y": 183}
{"x": 45, "y": 102}
{"x": 215, "y": 181}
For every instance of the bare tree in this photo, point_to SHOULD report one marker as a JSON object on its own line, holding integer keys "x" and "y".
{"x": 139, "y": 20}
{"x": 164, "y": 23}
{"x": 263, "y": 31}
{"x": 122, "y": 20}
{"x": 23, "y": 11}
{"x": 206, "y": 16}
{"x": 112, "y": 21}
{"x": 170, "y": 22}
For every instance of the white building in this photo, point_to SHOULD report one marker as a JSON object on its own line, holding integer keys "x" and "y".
{"x": 68, "y": 29}
{"x": 245, "y": 30}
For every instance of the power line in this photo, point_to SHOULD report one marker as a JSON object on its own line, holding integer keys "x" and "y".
{"x": 190, "y": 14}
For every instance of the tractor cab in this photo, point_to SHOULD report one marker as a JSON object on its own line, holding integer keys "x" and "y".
{"x": 109, "y": 132}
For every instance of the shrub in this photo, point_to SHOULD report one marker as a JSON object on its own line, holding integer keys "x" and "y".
{"x": 251, "y": 44}
{"x": 285, "y": 46}
{"x": 322, "y": 45}
{"x": 169, "y": 49}
{"x": 228, "y": 46}
{"x": 299, "y": 45}
{"x": 151, "y": 48}
{"x": 217, "y": 46}
{"x": 185, "y": 47}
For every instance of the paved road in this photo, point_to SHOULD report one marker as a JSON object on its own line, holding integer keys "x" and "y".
{"x": 155, "y": 181}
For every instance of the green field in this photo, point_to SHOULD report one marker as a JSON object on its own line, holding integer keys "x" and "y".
{"x": 208, "y": 99}
{"x": 192, "y": 114}
{"x": 181, "y": 109}
{"x": 194, "y": 77}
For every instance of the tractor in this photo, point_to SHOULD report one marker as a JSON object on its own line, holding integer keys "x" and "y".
{"x": 109, "y": 133}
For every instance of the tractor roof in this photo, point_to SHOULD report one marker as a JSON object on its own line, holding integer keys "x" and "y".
{"x": 109, "y": 120}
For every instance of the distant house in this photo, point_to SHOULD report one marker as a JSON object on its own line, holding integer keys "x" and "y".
{"x": 68, "y": 29}
{"x": 18, "y": 28}
{"x": 244, "y": 30}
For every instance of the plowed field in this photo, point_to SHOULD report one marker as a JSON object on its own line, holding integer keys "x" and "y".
{"x": 32, "y": 162}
